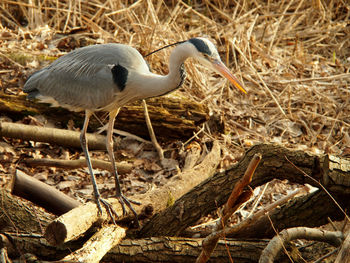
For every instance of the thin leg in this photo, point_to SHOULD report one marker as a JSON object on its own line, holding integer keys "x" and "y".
{"x": 84, "y": 146}
{"x": 109, "y": 143}
{"x": 151, "y": 132}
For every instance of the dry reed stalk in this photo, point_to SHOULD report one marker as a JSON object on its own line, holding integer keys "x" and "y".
{"x": 293, "y": 57}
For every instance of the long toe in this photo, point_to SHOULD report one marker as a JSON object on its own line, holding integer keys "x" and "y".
{"x": 98, "y": 203}
{"x": 111, "y": 212}
{"x": 123, "y": 200}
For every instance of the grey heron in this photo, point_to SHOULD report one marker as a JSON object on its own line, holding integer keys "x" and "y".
{"x": 105, "y": 77}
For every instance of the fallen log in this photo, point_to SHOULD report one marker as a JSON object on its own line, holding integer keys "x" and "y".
{"x": 41, "y": 194}
{"x": 273, "y": 165}
{"x": 157, "y": 249}
{"x": 98, "y": 245}
{"x": 122, "y": 167}
{"x": 21, "y": 216}
{"x": 50, "y": 135}
{"x": 172, "y": 116}
{"x": 213, "y": 192}
{"x": 77, "y": 221}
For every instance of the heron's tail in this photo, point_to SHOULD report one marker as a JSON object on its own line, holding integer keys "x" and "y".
{"x": 31, "y": 86}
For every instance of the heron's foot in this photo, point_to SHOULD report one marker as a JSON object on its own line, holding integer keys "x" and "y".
{"x": 124, "y": 201}
{"x": 111, "y": 212}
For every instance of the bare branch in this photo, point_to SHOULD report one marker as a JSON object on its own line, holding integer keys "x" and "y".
{"x": 275, "y": 245}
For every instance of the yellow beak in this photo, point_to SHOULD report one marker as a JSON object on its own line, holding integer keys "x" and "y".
{"x": 225, "y": 72}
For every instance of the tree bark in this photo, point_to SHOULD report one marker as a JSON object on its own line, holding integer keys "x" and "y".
{"x": 98, "y": 245}
{"x": 155, "y": 249}
{"x": 172, "y": 117}
{"x": 212, "y": 193}
{"x": 344, "y": 253}
{"x": 309, "y": 210}
{"x": 21, "y": 216}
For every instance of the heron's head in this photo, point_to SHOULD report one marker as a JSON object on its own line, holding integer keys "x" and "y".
{"x": 207, "y": 54}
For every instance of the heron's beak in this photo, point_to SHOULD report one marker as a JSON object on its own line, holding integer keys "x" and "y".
{"x": 225, "y": 72}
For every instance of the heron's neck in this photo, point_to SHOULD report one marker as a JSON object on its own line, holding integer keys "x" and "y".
{"x": 160, "y": 85}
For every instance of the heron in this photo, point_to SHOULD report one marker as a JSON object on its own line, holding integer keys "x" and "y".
{"x": 105, "y": 77}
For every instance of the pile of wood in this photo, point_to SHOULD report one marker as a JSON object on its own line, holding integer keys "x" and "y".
{"x": 81, "y": 234}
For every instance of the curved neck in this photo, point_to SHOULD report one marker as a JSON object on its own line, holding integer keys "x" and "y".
{"x": 154, "y": 85}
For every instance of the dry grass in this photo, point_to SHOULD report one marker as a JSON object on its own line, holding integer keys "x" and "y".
{"x": 293, "y": 56}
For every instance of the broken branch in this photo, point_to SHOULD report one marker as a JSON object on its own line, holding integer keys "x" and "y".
{"x": 50, "y": 135}
{"x": 235, "y": 200}
{"x": 122, "y": 167}
{"x": 41, "y": 194}
{"x": 98, "y": 245}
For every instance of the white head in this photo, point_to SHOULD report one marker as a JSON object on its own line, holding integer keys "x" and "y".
{"x": 206, "y": 54}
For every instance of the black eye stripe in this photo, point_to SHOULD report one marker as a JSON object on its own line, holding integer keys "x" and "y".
{"x": 201, "y": 46}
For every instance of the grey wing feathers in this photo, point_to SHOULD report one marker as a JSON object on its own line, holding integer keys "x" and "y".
{"x": 82, "y": 79}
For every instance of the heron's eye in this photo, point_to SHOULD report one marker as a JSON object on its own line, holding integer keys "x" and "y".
{"x": 206, "y": 56}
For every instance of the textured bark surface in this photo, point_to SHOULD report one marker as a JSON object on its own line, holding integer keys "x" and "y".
{"x": 98, "y": 245}
{"x": 310, "y": 210}
{"x": 18, "y": 215}
{"x": 174, "y": 249}
{"x": 213, "y": 192}
{"x": 172, "y": 117}
{"x": 155, "y": 249}
{"x": 344, "y": 253}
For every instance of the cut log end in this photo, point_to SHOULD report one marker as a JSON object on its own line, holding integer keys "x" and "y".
{"x": 56, "y": 233}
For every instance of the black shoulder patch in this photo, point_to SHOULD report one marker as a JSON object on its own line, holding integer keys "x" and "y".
{"x": 120, "y": 76}
{"x": 200, "y": 45}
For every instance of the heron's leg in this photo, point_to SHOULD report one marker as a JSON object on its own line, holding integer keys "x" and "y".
{"x": 151, "y": 132}
{"x": 122, "y": 199}
{"x": 84, "y": 146}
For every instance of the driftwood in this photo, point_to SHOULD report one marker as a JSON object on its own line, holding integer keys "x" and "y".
{"x": 213, "y": 192}
{"x": 172, "y": 117}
